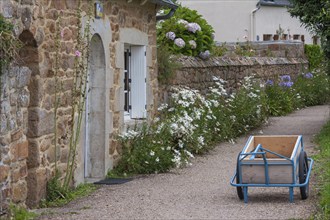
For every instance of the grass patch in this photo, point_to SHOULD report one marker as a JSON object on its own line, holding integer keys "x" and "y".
{"x": 19, "y": 213}
{"x": 64, "y": 197}
{"x": 323, "y": 172}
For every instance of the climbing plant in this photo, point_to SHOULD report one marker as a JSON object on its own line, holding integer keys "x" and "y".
{"x": 58, "y": 188}
{"x": 9, "y": 44}
{"x": 79, "y": 90}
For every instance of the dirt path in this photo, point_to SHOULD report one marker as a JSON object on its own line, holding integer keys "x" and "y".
{"x": 202, "y": 191}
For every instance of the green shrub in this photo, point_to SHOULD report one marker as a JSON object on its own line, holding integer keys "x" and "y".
{"x": 57, "y": 195}
{"x": 218, "y": 51}
{"x": 20, "y": 213}
{"x": 314, "y": 88}
{"x": 166, "y": 64}
{"x": 279, "y": 97}
{"x": 315, "y": 56}
{"x": 186, "y": 33}
{"x": 192, "y": 123}
{"x": 248, "y": 107}
{"x": 323, "y": 171}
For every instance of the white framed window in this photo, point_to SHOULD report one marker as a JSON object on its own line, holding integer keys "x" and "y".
{"x": 135, "y": 98}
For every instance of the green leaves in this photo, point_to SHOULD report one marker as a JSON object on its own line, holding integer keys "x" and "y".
{"x": 315, "y": 16}
{"x": 190, "y": 26}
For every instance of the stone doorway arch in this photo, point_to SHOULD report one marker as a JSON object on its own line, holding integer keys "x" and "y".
{"x": 29, "y": 57}
{"x": 95, "y": 140}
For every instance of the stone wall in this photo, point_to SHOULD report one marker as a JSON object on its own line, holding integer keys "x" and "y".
{"x": 27, "y": 154}
{"x": 14, "y": 103}
{"x": 281, "y": 48}
{"x": 198, "y": 74}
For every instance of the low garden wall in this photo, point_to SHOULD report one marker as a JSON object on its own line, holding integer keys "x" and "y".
{"x": 198, "y": 74}
{"x": 279, "y": 48}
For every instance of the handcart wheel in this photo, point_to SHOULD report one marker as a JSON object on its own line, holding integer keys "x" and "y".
{"x": 303, "y": 171}
{"x": 239, "y": 188}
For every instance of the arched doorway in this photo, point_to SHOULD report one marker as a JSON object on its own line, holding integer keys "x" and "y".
{"x": 29, "y": 57}
{"x": 95, "y": 141}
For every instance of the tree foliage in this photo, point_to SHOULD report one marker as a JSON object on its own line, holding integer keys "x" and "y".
{"x": 315, "y": 16}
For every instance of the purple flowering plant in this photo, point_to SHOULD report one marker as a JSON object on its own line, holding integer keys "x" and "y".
{"x": 308, "y": 75}
{"x": 269, "y": 82}
{"x": 285, "y": 81}
{"x": 186, "y": 33}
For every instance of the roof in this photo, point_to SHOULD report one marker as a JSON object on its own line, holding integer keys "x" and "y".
{"x": 277, "y": 3}
{"x": 167, "y": 3}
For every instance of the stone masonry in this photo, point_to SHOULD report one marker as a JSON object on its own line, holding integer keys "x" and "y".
{"x": 27, "y": 154}
{"x": 198, "y": 74}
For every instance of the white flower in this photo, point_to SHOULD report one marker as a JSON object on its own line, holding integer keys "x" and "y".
{"x": 157, "y": 159}
{"x": 200, "y": 140}
{"x": 252, "y": 95}
{"x": 189, "y": 154}
{"x": 180, "y": 144}
{"x": 232, "y": 141}
{"x": 182, "y": 21}
{"x": 152, "y": 153}
{"x": 192, "y": 44}
{"x": 162, "y": 106}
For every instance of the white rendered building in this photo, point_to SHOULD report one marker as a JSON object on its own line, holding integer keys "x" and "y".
{"x": 253, "y": 20}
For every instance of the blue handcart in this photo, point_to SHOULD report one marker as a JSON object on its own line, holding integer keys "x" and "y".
{"x": 273, "y": 161}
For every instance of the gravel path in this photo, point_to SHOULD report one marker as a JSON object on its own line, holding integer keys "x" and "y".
{"x": 202, "y": 191}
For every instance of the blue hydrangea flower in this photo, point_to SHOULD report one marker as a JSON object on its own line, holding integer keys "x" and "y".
{"x": 308, "y": 75}
{"x": 170, "y": 35}
{"x": 193, "y": 27}
{"x": 179, "y": 42}
{"x": 204, "y": 55}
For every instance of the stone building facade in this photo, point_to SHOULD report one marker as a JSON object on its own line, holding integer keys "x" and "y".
{"x": 123, "y": 39}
